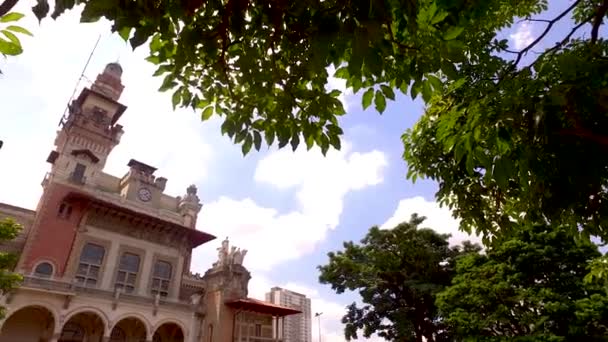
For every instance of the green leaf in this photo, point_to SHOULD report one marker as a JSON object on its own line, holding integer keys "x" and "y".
{"x": 164, "y": 69}
{"x": 207, "y": 113}
{"x": 335, "y": 93}
{"x": 415, "y": 89}
{"x": 334, "y": 141}
{"x": 13, "y": 16}
{"x": 153, "y": 59}
{"x": 246, "y": 147}
{"x": 228, "y": 127}
{"x": 19, "y": 29}
{"x": 439, "y": 17}
{"x": 310, "y": 141}
{"x": 342, "y": 73}
{"x": 295, "y": 141}
{"x": 388, "y": 92}
{"x": 380, "y": 102}
{"x": 269, "y": 136}
{"x": 125, "y": 33}
{"x": 403, "y": 87}
{"x": 257, "y": 140}
{"x": 9, "y": 48}
{"x": 168, "y": 83}
{"x": 367, "y": 98}
{"x": 138, "y": 38}
{"x": 449, "y": 69}
{"x": 453, "y": 33}
{"x": 176, "y": 98}
{"x": 427, "y": 91}
{"x": 500, "y": 172}
{"x": 435, "y": 82}
{"x": 11, "y": 36}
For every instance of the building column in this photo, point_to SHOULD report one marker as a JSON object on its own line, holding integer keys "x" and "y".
{"x": 55, "y": 337}
{"x": 111, "y": 262}
{"x": 176, "y": 279}
{"x": 146, "y": 274}
{"x": 275, "y": 326}
{"x": 194, "y": 330}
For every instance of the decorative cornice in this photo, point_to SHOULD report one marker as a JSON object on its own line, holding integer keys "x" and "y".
{"x": 136, "y": 227}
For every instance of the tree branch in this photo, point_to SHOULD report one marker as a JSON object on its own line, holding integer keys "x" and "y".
{"x": 564, "y": 41}
{"x": 535, "y": 20}
{"x": 599, "y": 18}
{"x": 6, "y": 6}
{"x": 547, "y": 29}
{"x": 394, "y": 41}
{"x": 586, "y": 134}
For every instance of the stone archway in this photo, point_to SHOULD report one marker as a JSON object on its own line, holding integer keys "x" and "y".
{"x": 29, "y": 324}
{"x": 168, "y": 332}
{"x": 129, "y": 329}
{"x": 83, "y": 327}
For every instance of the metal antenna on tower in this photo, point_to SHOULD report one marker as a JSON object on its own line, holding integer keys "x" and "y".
{"x": 64, "y": 116}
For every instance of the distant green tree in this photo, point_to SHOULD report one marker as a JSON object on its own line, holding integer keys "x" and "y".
{"x": 528, "y": 287}
{"x": 397, "y": 272}
{"x": 9, "y": 230}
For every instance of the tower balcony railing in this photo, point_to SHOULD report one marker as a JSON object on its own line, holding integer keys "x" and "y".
{"x": 71, "y": 288}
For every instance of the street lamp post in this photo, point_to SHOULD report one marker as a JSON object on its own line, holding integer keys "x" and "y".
{"x": 318, "y": 315}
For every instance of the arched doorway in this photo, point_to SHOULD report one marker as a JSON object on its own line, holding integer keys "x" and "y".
{"x": 83, "y": 327}
{"x": 129, "y": 330}
{"x": 29, "y": 324}
{"x": 168, "y": 332}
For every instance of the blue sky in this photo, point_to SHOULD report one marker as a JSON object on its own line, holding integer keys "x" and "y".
{"x": 288, "y": 209}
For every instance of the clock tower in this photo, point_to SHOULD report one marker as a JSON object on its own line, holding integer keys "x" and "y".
{"x": 90, "y": 131}
{"x": 141, "y": 185}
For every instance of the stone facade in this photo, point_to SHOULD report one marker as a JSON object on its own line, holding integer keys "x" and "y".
{"x": 107, "y": 258}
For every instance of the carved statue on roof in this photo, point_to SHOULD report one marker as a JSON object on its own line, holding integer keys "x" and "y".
{"x": 191, "y": 194}
{"x": 222, "y": 254}
{"x": 228, "y": 256}
{"x": 239, "y": 256}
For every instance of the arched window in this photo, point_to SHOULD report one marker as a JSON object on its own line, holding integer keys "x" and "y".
{"x": 161, "y": 278}
{"x": 118, "y": 335}
{"x": 44, "y": 270}
{"x": 210, "y": 329}
{"x": 72, "y": 332}
{"x": 127, "y": 272}
{"x": 65, "y": 211}
{"x": 89, "y": 266}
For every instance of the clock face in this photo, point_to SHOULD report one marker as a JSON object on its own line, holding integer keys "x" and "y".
{"x": 144, "y": 194}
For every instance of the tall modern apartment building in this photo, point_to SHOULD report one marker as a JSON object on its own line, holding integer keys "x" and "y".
{"x": 297, "y": 328}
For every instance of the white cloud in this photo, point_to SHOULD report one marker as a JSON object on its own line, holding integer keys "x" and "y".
{"x": 523, "y": 35}
{"x": 438, "y": 218}
{"x": 38, "y": 84}
{"x": 320, "y": 184}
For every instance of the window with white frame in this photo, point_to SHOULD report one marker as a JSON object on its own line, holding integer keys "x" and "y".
{"x": 89, "y": 264}
{"x": 161, "y": 278}
{"x": 127, "y": 272}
